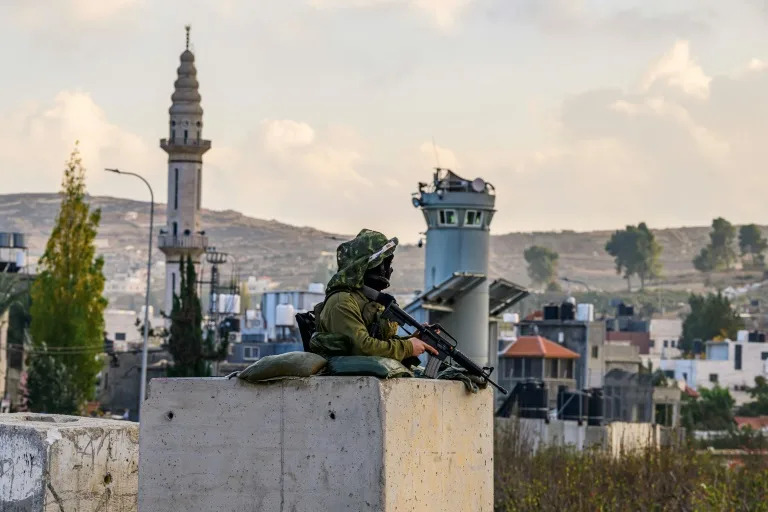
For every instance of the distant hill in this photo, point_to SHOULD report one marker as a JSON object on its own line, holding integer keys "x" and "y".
{"x": 293, "y": 256}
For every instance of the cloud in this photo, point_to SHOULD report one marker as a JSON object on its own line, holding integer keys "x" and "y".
{"x": 433, "y": 155}
{"x": 677, "y": 69}
{"x": 443, "y": 13}
{"x": 40, "y": 15}
{"x": 36, "y": 139}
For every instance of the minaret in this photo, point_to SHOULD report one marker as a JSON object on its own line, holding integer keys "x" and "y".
{"x": 185, "y": 147}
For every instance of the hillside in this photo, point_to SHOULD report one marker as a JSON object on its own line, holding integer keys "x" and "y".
{"x": 293, "y": 256}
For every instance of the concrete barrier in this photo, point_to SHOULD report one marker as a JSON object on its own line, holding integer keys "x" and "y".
{"x": 67, "y": 464}
{"x": 322, "y": 443}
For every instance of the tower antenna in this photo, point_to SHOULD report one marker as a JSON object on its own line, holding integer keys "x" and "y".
{"x": 434, "y": 148}
{"x": 187, "y": 28}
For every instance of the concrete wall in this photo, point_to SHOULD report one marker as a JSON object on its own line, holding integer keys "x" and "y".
{"x": 3, "y": 355}
{"x": 56, "y": 463}
{"x": 615, "y": 437}
{"x": 322, "y": 443}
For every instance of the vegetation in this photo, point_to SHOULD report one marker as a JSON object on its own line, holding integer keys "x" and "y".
{"x": 711, "y": 316}
{"x": 759, "y": 404}
{"x": 670, "y": 479}
{"x": 713, "y": 410}
{"x": 753, "y": 243}
{"x": 67, "y": 305}
{"x": 542, "y": 266}
{"x": 636, "y": 253}
{"x": 719, "y": 254}
{"x": 191, "y": 355}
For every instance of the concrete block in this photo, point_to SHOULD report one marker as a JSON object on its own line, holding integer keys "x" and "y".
{"x": 56, "y": 463}
{"x": 321, "y": 443}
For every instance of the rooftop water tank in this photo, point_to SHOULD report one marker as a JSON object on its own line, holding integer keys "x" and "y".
{"x": 5, "y": 240}
{"x": 585, "y": 312}
{"x": 19, "y": 241}
{"x": 285, "y": 315}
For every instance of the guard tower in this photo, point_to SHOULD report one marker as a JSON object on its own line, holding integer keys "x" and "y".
{"x": 458, "y": 293}
{"x": 185, "y": 146}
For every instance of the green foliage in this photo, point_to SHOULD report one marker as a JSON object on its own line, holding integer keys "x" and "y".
{"x": 555, "y": 479}
{"x": 711, "y": 316}
{"x": 542, "y": 265}
{"x": 713, "y": 410}
{"x": 719, "y": 254}
{"x": 752, "y": 242}
{"x": 67, "y": 308}
{"x": 636, "y": 252}
{"x": 50, "y": 385}
{"x": 759, "y": 404}
{"x": 191, "y": 353}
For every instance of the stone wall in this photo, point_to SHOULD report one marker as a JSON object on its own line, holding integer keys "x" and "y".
{"x": 56, "y": 463}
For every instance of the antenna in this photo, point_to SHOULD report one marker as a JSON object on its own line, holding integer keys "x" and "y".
{"x": 434, "y": 148}
{"x": 187, "y": 28}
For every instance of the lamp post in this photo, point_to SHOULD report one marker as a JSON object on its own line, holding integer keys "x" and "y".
{"x": 143, "y": 381}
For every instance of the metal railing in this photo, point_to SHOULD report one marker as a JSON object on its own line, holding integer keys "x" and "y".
{"x": 189, "y": 142}
{"x": 182, "y": 241}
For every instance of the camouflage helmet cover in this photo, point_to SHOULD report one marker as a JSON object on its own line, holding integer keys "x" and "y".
{"x": 367, "y": 250}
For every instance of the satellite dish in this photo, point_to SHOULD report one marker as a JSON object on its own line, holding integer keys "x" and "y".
{"x": 416, "y": 202}
{"x": 478, "y": 185}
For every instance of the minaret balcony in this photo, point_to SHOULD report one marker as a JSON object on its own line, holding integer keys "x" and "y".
{"x": 178, "y": 145}
{"x": 192, "y": 242}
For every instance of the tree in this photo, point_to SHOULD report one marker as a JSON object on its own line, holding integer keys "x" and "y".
{"x": 759, "y": 404}
{"x": 719, "y": 254}
{"x": 635, "y": 252}
{"x": 191, "y": 354}
{"x": 542, "y": 264}
{"x": 67, "y": 308}
{"x": 50, "y": 386}
{"x": 713, "y": 410}
{"x": 710, "y": 316}
{"x": 752, "y": 242}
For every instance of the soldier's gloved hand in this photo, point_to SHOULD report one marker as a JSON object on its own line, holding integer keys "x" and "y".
{"x": 385, "y": 299}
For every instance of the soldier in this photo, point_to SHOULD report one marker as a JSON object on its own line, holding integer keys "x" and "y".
{"x": 348, "y": 323}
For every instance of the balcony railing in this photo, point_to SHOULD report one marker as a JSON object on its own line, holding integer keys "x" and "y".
{"x": 190, "y": 144}
{"x": 166, "y": 241}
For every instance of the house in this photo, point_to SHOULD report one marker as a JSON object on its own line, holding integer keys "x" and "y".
{"x": 758, "y": 423}
{"x": 535, "y": 357}
{"x": 729, "y": 364}
{"x": 633, "y": 397}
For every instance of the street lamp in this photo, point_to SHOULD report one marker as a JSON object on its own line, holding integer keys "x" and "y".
{"x": 143, "y": 382}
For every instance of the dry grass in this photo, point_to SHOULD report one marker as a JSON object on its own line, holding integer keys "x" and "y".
{"x": 675, "y": 479}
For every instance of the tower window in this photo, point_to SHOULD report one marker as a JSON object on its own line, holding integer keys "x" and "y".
{"x": 176, "y": 189}
{"x": 173, "y": 282}
{"x": 175, "y": 230}
{"x": 186, "y": 135}
{"x": 473, "y": 219}
{"x": 447, "y": 218}
{"x": 199, "y": 185}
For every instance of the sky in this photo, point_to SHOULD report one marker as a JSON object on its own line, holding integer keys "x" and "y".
{"x": 584, "y": 114}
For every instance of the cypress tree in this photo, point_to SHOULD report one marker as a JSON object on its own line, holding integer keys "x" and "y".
{"x": 186, "y": 334}
{"x": 67, "y": 308}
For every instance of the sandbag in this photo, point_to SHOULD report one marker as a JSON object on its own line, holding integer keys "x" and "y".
{"x": 290, "y": 364}
{"x": 382, "y": 367}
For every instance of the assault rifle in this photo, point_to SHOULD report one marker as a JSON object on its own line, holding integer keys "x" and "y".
{"x": 434, "y": 336}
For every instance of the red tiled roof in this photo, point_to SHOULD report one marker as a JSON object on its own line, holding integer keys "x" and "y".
{"x": 536, "y": 346}
{"x": 691, "y": 392}
{"x": 756, "y": 423}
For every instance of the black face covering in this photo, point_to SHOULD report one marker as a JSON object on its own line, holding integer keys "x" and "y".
{"x": 378, "y": 277}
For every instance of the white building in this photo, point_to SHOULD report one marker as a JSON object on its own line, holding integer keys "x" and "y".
{"x": 728, "y": 364}
{"x": 185, "y": 146}
{"x": 665, "y": 335}
{"x": 120, "y": 326}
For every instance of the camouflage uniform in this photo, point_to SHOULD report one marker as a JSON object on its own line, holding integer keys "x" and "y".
{"x": 347, "y": 322}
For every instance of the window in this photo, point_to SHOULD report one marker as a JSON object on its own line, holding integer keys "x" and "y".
{"x": 186, "y": 135}
{"x": 713, "y": 377}
{"x": 250, "y": 353}
{"x": 552, "y": 369}
{"x": 527, "y": 367}
{"x": 517, "y": 367}
{"x": 175, "y": 230}
{"x": 672, "y": 343}
{"x": 199, "y": 185}
{"x": 595, "y": 352}
{"x": 652, "y": 343}
{"x": 737, "y": 358}
{"x": 685, "y": 376}
{"x": 447, "y": 218}
{"x": 666, "y": 343}
{"x": 176, "y": 189}
{"x": 763, "y": 355}
{"x": 173, "y": 282}
{"x": 119, "y": 336}
{"x": 670, "y": 374}
{"x": 473, "y": 219}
